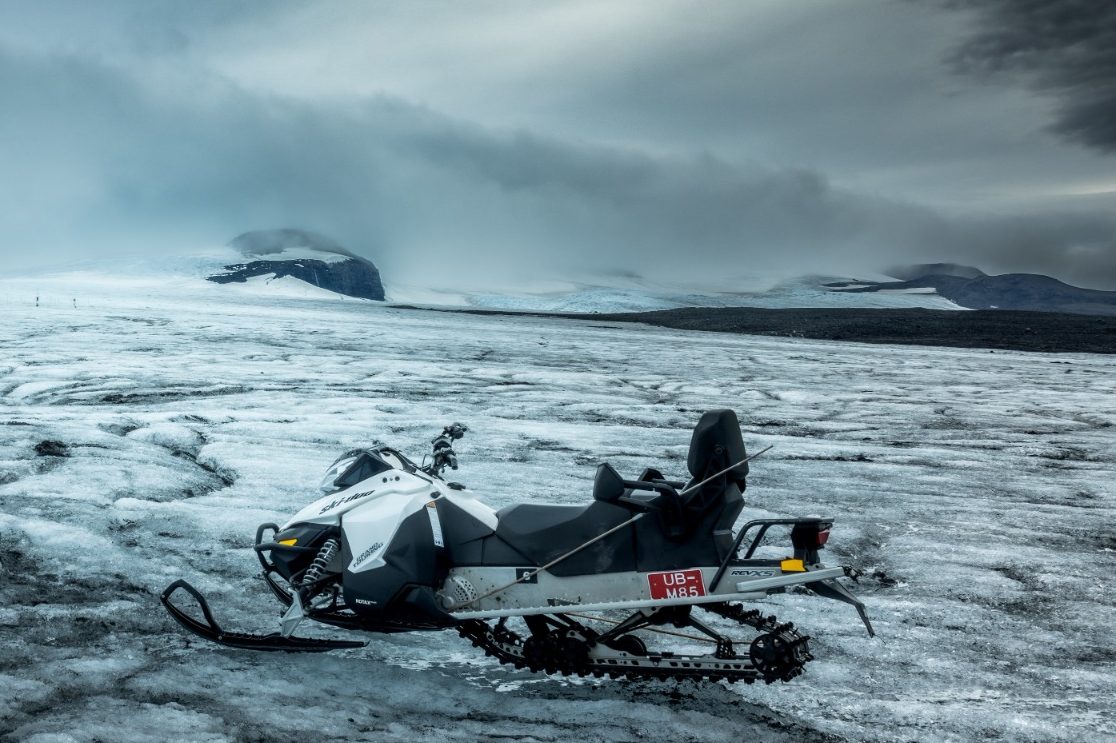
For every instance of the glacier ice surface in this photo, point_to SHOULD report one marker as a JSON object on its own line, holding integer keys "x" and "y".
{"x": 975, "y": 491}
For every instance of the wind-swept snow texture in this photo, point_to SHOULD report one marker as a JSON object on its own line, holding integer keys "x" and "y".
{"x": 144, "y": 442}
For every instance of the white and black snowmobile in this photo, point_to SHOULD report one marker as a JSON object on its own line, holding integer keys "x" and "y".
{"x": 394, "y": 547}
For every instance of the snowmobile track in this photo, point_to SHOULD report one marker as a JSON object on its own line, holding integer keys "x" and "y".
{"x": 570, "y": 656}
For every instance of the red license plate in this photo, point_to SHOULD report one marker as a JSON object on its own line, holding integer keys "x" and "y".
{"x": 676, "y": 584}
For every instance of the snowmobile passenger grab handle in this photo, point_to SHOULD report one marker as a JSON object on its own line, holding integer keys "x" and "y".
{"x": 645, "y": 485}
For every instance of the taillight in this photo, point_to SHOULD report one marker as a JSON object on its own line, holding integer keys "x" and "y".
{"x": 809, "y": 536}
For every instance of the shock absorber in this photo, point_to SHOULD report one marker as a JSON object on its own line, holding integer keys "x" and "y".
{"x": 320, "y": 562}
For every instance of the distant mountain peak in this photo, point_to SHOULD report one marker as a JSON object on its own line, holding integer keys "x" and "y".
{"x": 1009, "y": 291}
{"x": 304, "y": 255}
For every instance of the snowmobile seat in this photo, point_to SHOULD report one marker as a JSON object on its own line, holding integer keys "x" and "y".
{"x": 543, "y": 532}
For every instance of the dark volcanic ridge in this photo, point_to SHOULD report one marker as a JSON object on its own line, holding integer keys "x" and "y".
{"x": 972, "y": 288}
{"x": 337, "y": 270}
{"x": 992, "y": 329}
{"x": 350, "y": 277}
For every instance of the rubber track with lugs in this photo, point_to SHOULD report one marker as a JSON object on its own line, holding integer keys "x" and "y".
{"x": 783, "y": 652}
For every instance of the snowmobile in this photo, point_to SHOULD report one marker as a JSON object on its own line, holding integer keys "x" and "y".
{"x": 392, "y": 546}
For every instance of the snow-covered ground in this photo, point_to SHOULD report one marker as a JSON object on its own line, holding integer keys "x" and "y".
{"x": 973, "y": 488}
{"x": 630, "y": 294}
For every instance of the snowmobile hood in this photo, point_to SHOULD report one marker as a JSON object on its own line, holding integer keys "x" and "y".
{"x": 329, "y": 508}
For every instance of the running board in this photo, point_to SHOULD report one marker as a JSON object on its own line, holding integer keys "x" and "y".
{"x": 755, "y": 589}
{"x": 212, "y": 631}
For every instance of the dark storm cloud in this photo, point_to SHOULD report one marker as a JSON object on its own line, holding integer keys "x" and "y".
{"x": 1065, "y": 48}
{"x": 104, "y": 156}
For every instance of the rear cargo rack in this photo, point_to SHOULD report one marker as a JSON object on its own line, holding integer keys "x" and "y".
{"x": 764, "y": 525}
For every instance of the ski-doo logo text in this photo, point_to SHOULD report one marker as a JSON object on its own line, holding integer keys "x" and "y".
{"x": 676, "y": 584}
{"x": 334, "y": 504}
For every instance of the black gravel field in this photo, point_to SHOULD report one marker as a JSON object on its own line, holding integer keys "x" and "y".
{"x": 992, "y": 329}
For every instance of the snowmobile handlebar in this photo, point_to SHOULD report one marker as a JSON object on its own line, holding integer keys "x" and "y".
{"x": 444, "y": 455}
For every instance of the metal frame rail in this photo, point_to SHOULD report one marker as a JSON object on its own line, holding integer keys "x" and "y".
{"x": 764, "y": 525}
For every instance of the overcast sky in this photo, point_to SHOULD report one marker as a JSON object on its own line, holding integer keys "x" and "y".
{"x": 454, "y": 141}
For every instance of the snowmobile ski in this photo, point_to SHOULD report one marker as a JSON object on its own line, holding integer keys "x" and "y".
{"x": 211, "y": 630}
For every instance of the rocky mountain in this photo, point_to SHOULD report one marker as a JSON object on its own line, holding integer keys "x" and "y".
{"x": 307, "y": 256}
{"x": 969, "y": 287}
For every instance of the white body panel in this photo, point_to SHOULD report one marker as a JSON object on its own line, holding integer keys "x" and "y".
{"x": 372, "y": 510}
{"x": 372, "y": 526}
{"x": 605, "y": 591}
{"x": 329, "y": 508}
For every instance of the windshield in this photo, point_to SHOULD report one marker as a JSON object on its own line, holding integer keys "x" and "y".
{"x": 335, "y": 470}
{"x": 395, "y": 459}
{"x": 352, "y": 468}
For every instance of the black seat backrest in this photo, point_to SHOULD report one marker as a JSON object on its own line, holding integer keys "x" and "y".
{"x": 715, "y": 445}
{"x": 608, "y": 486}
